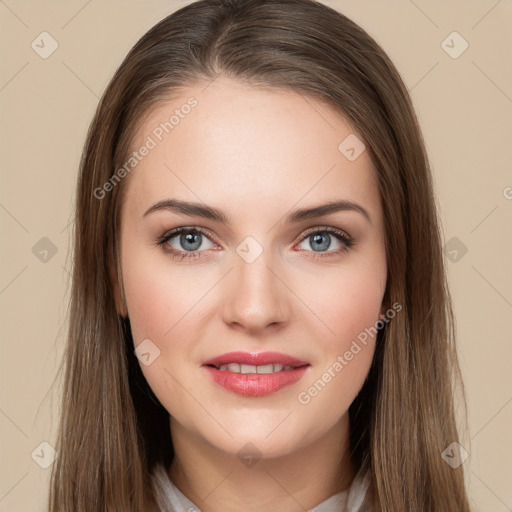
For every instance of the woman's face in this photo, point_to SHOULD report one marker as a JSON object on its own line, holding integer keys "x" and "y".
{"x": 262, "y": 275}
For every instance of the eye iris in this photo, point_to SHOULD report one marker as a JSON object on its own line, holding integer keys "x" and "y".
{"x": 189, "y": 238}
{"x": 317, "y": 237}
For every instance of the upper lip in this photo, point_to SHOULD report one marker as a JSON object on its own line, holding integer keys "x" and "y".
{"x": 255, "y": 359}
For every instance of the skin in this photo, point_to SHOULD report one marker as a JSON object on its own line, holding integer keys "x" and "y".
{"x": 256, "y": 154}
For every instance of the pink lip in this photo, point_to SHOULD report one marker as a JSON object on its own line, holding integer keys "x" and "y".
{"x": 255, "y": 359}
{"x": 255, "y": 384}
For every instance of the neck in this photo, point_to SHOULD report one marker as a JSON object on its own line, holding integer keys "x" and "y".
{"x": 297, "y": 481}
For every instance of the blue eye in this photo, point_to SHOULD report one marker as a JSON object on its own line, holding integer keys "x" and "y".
{"x": 192, "y": 238}
{"x": 321, "y": 239}
{"x": 189, "y": 238}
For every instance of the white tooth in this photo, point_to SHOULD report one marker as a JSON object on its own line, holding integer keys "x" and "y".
{"x": 247, "y": 368}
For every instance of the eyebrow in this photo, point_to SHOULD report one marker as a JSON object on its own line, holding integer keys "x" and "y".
{"x": 208, "y": 212}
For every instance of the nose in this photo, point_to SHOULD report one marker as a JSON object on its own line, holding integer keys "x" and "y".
{"x": 256, "y": 298}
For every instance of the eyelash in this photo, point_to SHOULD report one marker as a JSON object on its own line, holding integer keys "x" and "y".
{"x": 348, "y": 242}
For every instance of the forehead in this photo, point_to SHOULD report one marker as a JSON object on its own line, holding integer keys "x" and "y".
{"x": 229, "y": 141}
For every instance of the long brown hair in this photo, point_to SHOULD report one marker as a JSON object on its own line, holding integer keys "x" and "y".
{"x": 113, "y": 430}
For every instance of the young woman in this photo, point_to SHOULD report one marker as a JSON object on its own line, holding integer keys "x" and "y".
{"x": 259, "y": 318}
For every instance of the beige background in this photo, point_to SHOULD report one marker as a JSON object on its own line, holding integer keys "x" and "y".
{"x": 465, "y": 108}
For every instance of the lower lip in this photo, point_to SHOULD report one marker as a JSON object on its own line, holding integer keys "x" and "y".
{"x": 256, "y": 384}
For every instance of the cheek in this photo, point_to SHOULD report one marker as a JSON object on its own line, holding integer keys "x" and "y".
{"x": 158, "y": 297}
{"x": 149, "y": 300}
{"x": 345, "y": 303}
{"x": 161, "y": 308}
{"x": 165, "y": 302}
{"x": 349, "y": 306}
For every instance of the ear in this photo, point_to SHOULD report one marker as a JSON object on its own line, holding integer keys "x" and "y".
{"x": 117, "y": 289}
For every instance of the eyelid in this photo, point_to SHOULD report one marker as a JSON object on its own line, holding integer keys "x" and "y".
{"x": 328, "y": 229}
{"x": 209, "y": 234}
{"x": 171, "y": 233}
{"x": 341, "y": 235}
